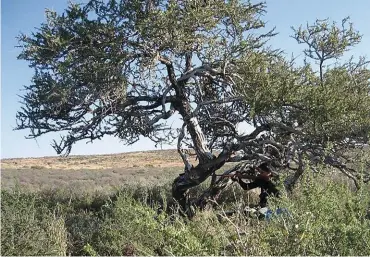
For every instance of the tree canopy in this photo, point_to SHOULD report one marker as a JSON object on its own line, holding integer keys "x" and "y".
{"x": 123, "y": 68}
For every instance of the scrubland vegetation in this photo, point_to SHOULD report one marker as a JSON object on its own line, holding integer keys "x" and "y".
{"x": 131, "y": 69}
{"x": 326, "y": 217}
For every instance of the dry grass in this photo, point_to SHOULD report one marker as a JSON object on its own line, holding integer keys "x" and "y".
{"x": 165, "y": 158}
{"x": 73, "y": 223}
{"x": 91, "y": 173}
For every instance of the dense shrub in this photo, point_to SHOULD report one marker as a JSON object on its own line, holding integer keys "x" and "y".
{"x": 29, "y": 228}
{"x": 325, "y": 218}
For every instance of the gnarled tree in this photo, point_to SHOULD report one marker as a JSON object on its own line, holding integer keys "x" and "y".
{"x": 124, "y": 68}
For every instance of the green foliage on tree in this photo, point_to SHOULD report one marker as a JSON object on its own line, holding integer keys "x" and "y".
{"x": 123, "y": 68}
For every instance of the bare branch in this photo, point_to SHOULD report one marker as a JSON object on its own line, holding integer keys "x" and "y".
{"x": 222, "y": 101}
{"x": 183, "y": 155}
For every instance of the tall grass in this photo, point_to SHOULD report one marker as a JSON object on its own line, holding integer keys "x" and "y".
{"x": 325, "y": 218}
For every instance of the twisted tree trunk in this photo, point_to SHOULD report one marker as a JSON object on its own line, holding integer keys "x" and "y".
{"x": 208, "y": 162}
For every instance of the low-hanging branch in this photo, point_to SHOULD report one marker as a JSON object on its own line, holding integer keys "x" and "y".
{"x": 128, "y": 70}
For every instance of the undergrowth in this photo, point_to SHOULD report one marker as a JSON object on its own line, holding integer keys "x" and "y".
{"x": 322, "y": 218}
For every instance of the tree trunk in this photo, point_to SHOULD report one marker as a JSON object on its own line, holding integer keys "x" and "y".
{"x": 213, "y": 192}
{"x": 195, "y": 176}
{"x": 291, "y": 182}
{"x": 200, "y": 145}
{"x": 208, "y": 163}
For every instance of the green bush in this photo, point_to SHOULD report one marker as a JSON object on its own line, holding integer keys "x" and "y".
{"x": 136, "y": 225}
{"x": 325, "y": 218}
{"x": 29, "y": 228}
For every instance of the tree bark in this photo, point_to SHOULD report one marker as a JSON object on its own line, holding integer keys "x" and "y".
{"x": 213, "y": 192}
{"x": 291, "y": 182}
{"x": 191, "y": 178}
{"x": 208, "y": 162}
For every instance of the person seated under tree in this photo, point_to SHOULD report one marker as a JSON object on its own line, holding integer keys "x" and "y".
{"x": 262, "y": 180}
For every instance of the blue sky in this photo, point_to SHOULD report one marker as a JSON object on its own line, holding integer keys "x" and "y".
{"x": 24, "y": 15}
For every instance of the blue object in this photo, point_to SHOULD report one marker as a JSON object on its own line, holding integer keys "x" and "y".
{"x": 281, "y": 211}
{"x": 269, "y": 214}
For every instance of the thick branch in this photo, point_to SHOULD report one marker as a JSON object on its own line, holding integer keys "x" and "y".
{"x": 343, "y": 168}
{"x": 184, "y": 157}
{"x": 183, "y": 106}
{"x": 196, "y": 71}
